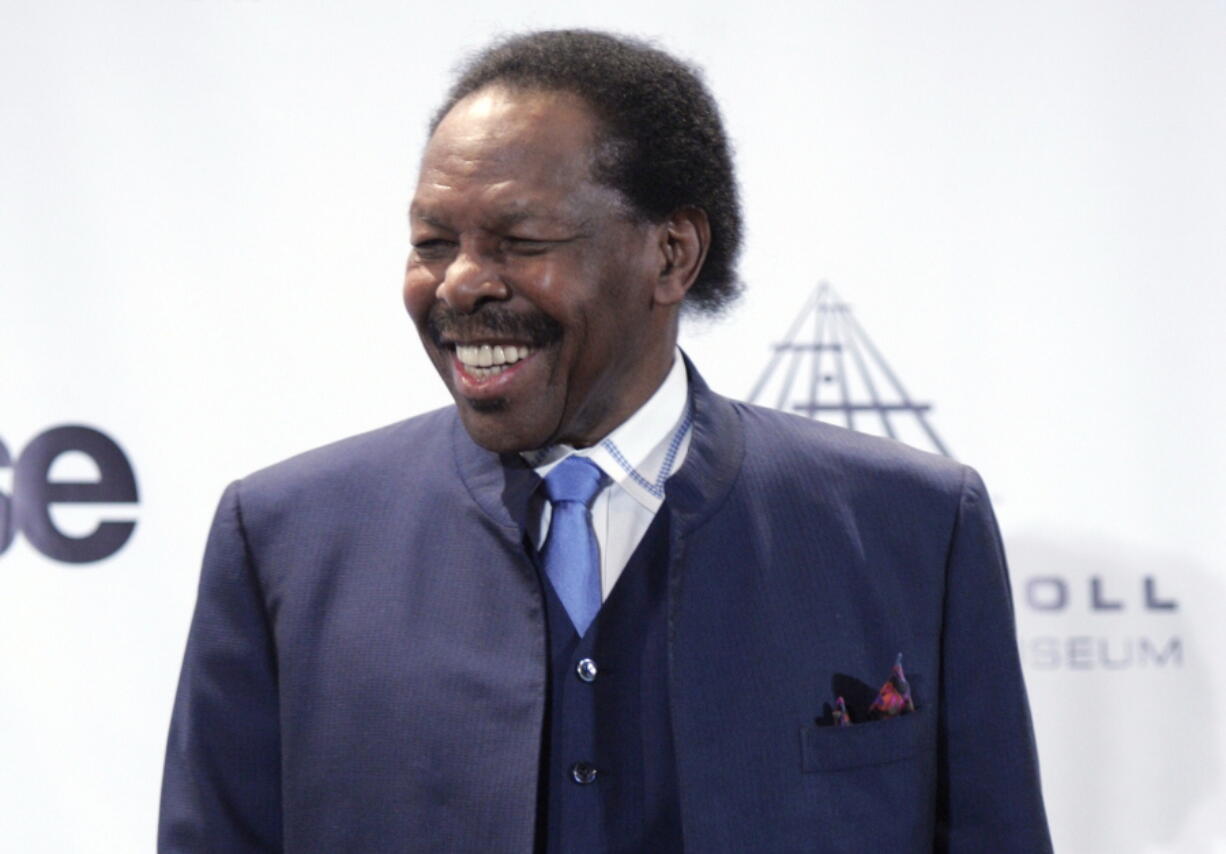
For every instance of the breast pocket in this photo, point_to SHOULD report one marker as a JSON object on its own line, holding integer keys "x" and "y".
{"x": 833, "y": 748}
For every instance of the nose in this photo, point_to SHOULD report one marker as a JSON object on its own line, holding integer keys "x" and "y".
{"x": 470, "y": 280}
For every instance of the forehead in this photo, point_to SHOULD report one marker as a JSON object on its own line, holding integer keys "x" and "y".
{"x": 514, "y": 147}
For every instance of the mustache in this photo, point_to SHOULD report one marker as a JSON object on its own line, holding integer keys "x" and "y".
{"x": 491, "y": 321}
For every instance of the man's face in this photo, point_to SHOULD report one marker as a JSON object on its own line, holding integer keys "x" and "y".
{"x": 531, "y": 285}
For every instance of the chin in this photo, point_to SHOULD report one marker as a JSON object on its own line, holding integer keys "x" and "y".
{"x": 490, "y": 426}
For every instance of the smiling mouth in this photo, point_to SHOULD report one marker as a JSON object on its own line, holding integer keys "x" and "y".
{"x": 486, "y": 361}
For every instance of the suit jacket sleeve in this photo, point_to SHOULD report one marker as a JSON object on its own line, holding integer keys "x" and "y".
{"x": 221, "y": 786}
{"x": 989, "y": 797}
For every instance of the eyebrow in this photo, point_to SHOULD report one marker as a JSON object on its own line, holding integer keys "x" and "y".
{"x": 428, "y": 219}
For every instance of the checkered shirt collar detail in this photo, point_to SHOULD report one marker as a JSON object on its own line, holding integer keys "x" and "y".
{"x": 642, "y": 453}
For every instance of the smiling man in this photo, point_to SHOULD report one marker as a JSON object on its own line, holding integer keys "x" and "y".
{"x": 547, "y": 302}
{"x": 594, "y": 606}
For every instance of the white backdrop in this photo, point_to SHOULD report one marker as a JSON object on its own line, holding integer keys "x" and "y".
{"x": 201, "y": 238}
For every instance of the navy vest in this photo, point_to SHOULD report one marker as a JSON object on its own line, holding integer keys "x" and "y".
{"x": 608, "y": 774}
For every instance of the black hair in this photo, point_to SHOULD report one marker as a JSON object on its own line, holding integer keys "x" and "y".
{"x": 663, "y": 146}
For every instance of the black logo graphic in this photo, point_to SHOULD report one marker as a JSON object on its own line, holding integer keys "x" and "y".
{"x": 846, "y": 375}
{"x": 28, "y": 509}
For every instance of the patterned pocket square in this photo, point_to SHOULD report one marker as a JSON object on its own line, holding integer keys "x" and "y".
{"x": 893, "y": 699}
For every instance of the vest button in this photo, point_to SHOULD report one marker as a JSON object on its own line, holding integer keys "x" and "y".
{"x": 583, "y": 773}
{"x": 586, "y": 668}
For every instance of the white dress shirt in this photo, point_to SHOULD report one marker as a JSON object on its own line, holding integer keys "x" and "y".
{"x": 636, "y": 459}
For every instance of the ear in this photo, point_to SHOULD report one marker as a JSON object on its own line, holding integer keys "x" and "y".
{"x": 683, "y": 241}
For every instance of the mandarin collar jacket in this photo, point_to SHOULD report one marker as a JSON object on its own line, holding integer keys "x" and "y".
{"x": 367, "y": 665}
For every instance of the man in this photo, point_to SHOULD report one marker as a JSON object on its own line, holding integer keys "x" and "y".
{"x": 595, "y": 606}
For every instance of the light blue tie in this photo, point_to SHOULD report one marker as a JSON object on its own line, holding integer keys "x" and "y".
{"x": 571, "y": 555}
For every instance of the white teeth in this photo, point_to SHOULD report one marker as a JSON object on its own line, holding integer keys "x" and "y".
{"x": 480, "y": 356}
{"x": 482, "y": 373}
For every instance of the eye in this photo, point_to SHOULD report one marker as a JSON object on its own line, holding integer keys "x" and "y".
{"x": 526, "y": 245}
{"x": 432, "y": 248}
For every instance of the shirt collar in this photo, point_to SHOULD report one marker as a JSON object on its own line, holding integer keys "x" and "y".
{"x": 645, "y": 449}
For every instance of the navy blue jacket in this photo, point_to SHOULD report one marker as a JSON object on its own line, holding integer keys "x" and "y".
{"x": 367, "y": 665}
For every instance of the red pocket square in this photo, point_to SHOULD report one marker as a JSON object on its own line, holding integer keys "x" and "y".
{"x": 894, "y": 698}
{"x": 840, "y": 715}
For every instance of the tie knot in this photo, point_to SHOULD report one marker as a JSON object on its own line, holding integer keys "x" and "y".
{"x": 573, "y": 479}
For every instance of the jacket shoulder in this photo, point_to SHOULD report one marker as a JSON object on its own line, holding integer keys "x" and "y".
{"x": 784, "y": 446}
{"x": 360, "y": 462}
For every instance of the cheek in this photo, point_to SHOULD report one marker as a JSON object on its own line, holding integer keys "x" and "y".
{"x": 419, "y": 292}
{"x": 575, "y": 291}
{"x": 547, "y": 285}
